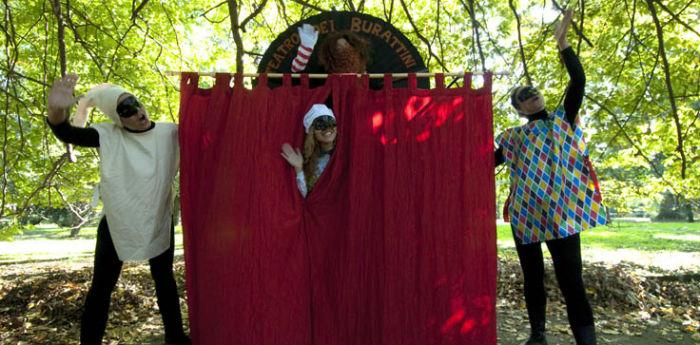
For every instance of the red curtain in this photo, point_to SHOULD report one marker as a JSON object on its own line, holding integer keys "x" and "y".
{"x": 394, "y": 245}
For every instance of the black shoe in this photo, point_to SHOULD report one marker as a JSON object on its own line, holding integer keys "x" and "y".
{"x": 585, "y": 335}
{"x": 537, "y": 336}
{"x": 179, "y": 340}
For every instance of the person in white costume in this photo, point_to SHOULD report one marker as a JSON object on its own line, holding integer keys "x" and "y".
{"x": 138, "y": 162}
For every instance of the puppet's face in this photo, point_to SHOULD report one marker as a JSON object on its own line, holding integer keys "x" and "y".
{"x": 132, "y": 113}
{"x": 346, "y": 58}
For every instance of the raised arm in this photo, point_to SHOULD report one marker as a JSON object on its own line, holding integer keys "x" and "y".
{"x": 60, "y": 101}
{"x": 577, "y": 83}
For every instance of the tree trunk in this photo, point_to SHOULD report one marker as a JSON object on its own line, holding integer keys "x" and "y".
{"x": 689, "y": 212}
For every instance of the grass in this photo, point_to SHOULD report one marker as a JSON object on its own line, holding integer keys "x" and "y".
{"x": 49, "y": 242}
{"x": 641, "y": 236}
{"x": 54, "y": 232}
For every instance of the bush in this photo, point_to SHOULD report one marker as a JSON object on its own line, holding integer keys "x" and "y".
{"x": 671, "y": 209}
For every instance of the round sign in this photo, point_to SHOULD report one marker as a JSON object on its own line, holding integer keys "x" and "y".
{"x": 391, "y": 51}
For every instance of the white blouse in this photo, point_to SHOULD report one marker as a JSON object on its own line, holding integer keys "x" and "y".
{"x": 323, "y": 160}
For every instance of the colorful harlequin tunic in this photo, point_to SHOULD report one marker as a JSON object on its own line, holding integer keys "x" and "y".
{"x": 554, "y": 191}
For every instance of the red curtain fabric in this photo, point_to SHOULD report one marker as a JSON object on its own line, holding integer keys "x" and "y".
{"x": 395, "y": 245}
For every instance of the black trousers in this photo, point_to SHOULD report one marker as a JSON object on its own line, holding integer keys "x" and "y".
{"x": 104, "y": 279}
{"x": 566, "y": 256}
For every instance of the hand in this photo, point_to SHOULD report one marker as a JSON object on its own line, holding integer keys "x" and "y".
{"x": 293, "y": 156}
{"x": 61, "y": 93}
{"x": 562, "y": 28}
{"x": 308, "y": 35}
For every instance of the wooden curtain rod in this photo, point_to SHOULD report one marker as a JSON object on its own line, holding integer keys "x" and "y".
{"x": 324, "y": 76}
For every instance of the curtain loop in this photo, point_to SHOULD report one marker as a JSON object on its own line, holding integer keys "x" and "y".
{"x": 189, "y": 81}
{"x": 468, "y": 80}
{"x": 488, "y": 79}
{"x": 388, "y": 82}
{"x": 304, "y": 79}
{"x": 222, "y": 81}
{"x": 238, "y": 80}
{"x": 439, "y": 80}
{"x": 287, "y": 79}
{"x": 364, "y": 81}
{"x": 262, "y": 80}
{"x": 412, "y": 81}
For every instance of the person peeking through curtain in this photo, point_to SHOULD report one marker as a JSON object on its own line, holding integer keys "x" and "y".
{"x": 138, "y": 162}
{"x": 319, "y": 144}
{"x": 554, "y": 195}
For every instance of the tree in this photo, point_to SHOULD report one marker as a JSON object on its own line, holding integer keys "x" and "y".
{"x": 641, "y": 57}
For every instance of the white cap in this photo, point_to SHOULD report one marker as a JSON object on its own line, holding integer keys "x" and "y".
{"x": 316, "y": 111}
{"x": 104, "y": 97}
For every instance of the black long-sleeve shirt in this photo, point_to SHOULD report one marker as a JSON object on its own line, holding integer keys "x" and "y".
{"x": 87, "y": 137}
{"x": 572, "y": 100}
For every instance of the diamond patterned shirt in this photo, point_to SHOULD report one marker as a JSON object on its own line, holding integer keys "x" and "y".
{"x": 554, "y": 190}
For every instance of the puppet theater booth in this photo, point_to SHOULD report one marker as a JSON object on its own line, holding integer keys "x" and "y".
{"x": 395, "y": 245}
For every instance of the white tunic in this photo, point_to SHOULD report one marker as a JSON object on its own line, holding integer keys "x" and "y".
{"x": 136, "y": 179}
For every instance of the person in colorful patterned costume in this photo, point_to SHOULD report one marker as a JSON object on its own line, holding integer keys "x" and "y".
{"x": 554, "y": 195}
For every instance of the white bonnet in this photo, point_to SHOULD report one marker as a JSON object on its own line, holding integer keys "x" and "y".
{"x": 316, "y": 111}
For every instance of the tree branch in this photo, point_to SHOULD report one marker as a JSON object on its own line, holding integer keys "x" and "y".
{"x": 520, "y": 42}
{"x": 633, "y": 143}
{"x": 361, "y": 6}
{"x": 11, "y": 59}
{"x": 253, "y": 14}
{"x": 388, "y": 15}
{"x": 438, "y": 31}
{"x": 475, "y": 31}
{"x": 669, "y": 87}
{"x": 77, "y": 212}
{"x": 204, "y": 14}
{"x": 307, "y": 4}
{"x": 135, "y": 11}
{"x": 44, "y": 184}
{"x": 235, "y": 30}
{"x": 676, "y": 18}
{"x": 62, "y": 57}
{"x": 578, "y": 29}
{"x": 13, "y": 72}
{"x": 71, "y": 25}
{"x": 420, "y": 36}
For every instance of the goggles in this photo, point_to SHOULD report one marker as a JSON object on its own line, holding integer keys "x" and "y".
{"x": 128, "y": 107}
{"x": 527, "y": 93}
{"x": 323, "y": 122}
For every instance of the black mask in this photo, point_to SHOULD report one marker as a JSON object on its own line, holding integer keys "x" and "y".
{"x": 128, "y": 107}
{"x": 527, "y": 93}
{"x": 323, "y": 122}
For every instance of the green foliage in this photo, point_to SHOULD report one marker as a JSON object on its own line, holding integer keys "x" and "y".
{"x": 9, "y": 228}
{"x": 633, "y": 133}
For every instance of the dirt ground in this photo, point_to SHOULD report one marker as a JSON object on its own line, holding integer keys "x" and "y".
{"x": 40, "y": 303}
